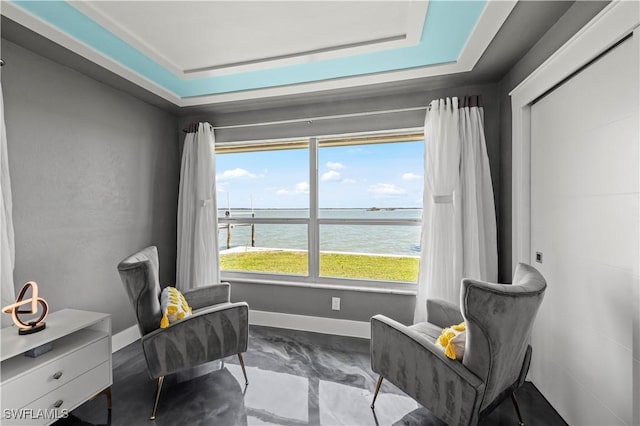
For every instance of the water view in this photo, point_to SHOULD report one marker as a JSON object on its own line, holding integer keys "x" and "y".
{"x": 402, "y": 240}
{"x": 276, "y": 182}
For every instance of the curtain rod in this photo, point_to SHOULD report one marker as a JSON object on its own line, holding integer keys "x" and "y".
{"x": 310, "y": 120}
{"x": 470, "y": 101}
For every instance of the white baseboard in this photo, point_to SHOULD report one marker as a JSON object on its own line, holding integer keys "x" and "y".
{"x": 124, "y": 338}
{"x": 340, "y": 327}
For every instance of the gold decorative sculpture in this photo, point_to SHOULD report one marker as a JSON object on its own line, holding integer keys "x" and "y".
{"x": 30, "y": 307}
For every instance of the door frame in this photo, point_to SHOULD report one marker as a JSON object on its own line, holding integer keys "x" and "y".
{"x": 613, "y": 23}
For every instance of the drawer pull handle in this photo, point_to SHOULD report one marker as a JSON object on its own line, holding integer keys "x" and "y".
{"x": 57, "y": 375}
{"x": 58, "y": 403}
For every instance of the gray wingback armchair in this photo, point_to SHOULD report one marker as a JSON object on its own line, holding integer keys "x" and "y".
{"x": 498, "y": 318}
{"x": 216, "y": 329}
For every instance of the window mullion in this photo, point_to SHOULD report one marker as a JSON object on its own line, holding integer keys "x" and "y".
{"x": 314, "y": 243}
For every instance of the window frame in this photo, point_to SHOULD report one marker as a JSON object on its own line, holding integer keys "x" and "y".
{"x": 313, "y": 279}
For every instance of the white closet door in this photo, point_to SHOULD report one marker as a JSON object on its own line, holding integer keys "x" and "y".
{"x": 584, "y": 222}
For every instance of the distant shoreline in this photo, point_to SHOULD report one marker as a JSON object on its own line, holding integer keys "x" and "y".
{"x": 246, "y": 249}
{"x": 324, "y": 208}
{"x": 347, "y": 236}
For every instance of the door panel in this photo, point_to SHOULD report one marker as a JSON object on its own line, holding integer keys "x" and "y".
{"x": 584, "y": 222}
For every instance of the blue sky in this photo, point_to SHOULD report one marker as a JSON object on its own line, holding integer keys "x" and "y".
{"x": 357, "y": 176}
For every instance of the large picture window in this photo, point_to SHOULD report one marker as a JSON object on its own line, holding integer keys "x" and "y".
{"x": 336, "y": 211}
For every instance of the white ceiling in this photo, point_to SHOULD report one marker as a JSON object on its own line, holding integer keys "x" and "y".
{"x": 218, "y": 51}
{"x": 199, "y": 38}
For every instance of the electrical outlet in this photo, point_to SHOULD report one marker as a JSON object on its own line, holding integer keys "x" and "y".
{"x": 539, "y": 257}
{"x": 335, "y": 303}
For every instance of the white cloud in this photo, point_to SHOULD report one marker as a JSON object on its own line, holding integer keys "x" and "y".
{"x": 386, "y": 189}
{"x": 335, "y": 166}
{"x": 330, "y": 175}
{"x": 410, "y": 176}
{"x": 349, "y": 180}
{"x": 236, "y": 173}
{"x": 299, "y": 188}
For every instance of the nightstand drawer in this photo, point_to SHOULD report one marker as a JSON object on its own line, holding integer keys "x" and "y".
{"x": 63, "y": 399}
{"x": 46, "y": 378}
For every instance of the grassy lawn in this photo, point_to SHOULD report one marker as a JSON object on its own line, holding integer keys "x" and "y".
{"x": 331, "y": 265}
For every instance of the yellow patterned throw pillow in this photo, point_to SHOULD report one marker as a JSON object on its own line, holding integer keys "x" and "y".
{"x": 174, "y": 306}
{"x": 452, "y": 341}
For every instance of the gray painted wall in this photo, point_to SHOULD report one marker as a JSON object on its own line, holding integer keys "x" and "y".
{"x": 104, "y": 168}
{"x": 572, "y": 21}
{"x": 94, "y": 176}
{"x": 358, "y": 306}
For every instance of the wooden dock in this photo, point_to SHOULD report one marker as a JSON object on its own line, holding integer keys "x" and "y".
{"x": 229, "y": 227}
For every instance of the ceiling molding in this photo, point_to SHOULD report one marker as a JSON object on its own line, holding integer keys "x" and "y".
{"x": 410, "y": 34}
{"x": 492, "y": 18}
{"x": 305, "y": 57}
{"x": 487, "y": 26}
{"x": 45, "y": 29}
{"x": 89, "y": 9}
{"x": 232, "y": 87}
{"x": 416, "y": 13}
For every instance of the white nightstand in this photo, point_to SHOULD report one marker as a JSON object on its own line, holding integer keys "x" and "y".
{"x": 34, "y": 390}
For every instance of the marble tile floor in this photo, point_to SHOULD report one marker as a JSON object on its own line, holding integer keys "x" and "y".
{"x": 295, "y": 378}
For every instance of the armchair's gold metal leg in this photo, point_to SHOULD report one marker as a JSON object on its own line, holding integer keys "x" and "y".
{"x": 246, "y": 381}
{"x": 515, "y": 403}
{"x": 155, "y": 404}
{"x": 375, "y": 395}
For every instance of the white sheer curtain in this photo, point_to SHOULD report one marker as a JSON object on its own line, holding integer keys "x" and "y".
{"x": 459, "y": 236}
{"x": 479, "y": 235}
{"x": 7, "y": 247}
{"x": 439, "y": 269}
{"x": 197, "y": 260}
